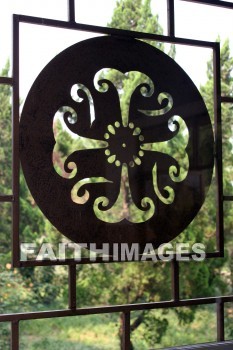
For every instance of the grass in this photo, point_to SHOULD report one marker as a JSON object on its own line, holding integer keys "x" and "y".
{"x": 99, "y": 332}
{"x": 202, "y": 329}
{"x": 94, "y": 332}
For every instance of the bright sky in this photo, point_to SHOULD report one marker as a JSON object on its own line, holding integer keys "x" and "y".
{"x": 38, "y": 45}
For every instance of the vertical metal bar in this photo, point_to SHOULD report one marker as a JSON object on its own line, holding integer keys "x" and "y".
{"x": 175, "y": 280}
{"x": 218, "y": 145}
{"x": 220, "y": 321}
{"x": 171, "y": 17}
{"x": 15, "y": 144}
{"x": 126, "y": 331}
{"x": 15, "y": 335}
{"x": 71, "y": 10}
{"x": 72, "y": 286}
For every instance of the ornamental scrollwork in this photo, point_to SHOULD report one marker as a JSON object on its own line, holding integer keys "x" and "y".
{"x": 124, "y": 146}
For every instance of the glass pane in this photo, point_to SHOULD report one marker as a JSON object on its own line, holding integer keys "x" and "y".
{"x": 32, "y": 289}
{"x": 228, "y": 317}
{"x": 203, "y": 228}
{"x": 194, "y": 60}
{"x": 5, "y": 233}
{"x": 137, "y": 17}
{"x": 120, "y": 283}
{"x": 39, "y": 239}
{"x": 54, "y": 9}
{"x": 228, "y": 227}
{"x": 104, "y": 9}
{"x": 174, "y": 327}
{"x": 210, "y": 23}
{"x": 130, "y": 16}
{"x": 227, "y": 131}
{"x": 209, "y": 278}
{"x": 5, "y": 331}
{"x": 160, "y": 8}
{"x": 40, "y": 44}
{"x": 202, "y": 22}
{"x": 97, "y": 332}
{"x": 5, "y": 138}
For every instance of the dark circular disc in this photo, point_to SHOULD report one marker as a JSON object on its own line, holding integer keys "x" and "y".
{"x": 116, "y": 143}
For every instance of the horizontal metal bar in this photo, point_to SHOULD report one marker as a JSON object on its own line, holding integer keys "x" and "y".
{"x": 113, "y": 31}
{"x": 7, "y": 198}
{"x": 112, "y": 309}
{"x": 228, "y": 345}
{"x": 227, "y": 99}
{"x": 83, "y": 261}
{"x": 217, "y": 3}
{"x": 228, "y": 198}
{"x": 100, "y": 260}
{"x": 6, "y": 80}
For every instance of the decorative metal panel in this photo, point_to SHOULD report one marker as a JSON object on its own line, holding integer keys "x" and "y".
{"x": 142, "y": 155}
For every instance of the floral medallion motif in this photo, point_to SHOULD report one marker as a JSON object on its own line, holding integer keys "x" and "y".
{"x": 116, "y": 143}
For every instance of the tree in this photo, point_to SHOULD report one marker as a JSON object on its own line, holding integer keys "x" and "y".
{"x": 227, "y": 90}
{"x": 227, "y": 145}
{"x": 10, "y": 280}
{"x": 215, "y": 276}
{"x": 132, "y": 282}
{"x": 118, "y": 283}
{"x": 5, "y": 161}
{"x": 32, "y": 226}
{"x": 136, "y": 282}
{"x": 135, "y": 15}
{"x": 227, "y": 132}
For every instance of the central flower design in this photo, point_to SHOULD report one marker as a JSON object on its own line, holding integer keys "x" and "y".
{"x": 125, "y": 145}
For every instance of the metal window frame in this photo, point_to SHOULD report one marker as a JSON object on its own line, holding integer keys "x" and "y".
{"x": 16, "y": 262}
{"x": 208, "y": 346}
{"x": 126, "y": 309}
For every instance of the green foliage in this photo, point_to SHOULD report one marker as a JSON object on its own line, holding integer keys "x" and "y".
{"x": 10, "y": 300}
{"x": 94, "y": 332}
{"x": 155, "y": 328}
{"x": 34, "y": 286}
{"x": 5, "y": 165}
{"x": 227, "y": 128}
{"x": 135, "y": 15}
{"x": 5, "y": 135}
{"x": 207, "y": 278}
{"x": 97, "y": 332}
{"x": 229, "y": 321}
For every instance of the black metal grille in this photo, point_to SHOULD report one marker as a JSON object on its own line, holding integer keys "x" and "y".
{"x": 126, "y": 309}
